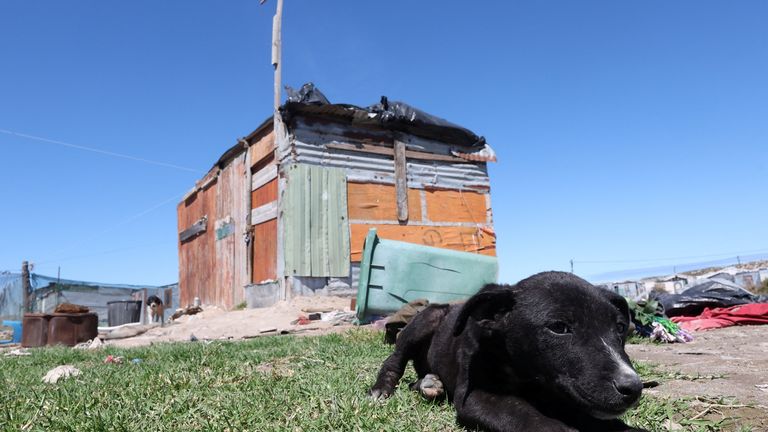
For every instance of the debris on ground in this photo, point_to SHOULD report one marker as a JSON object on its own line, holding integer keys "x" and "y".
{"x": 649, "y": 321}
{"x": 747, "y": 314}
{"x": 18, "y": 352}
{"x": 339, "y": 317}
{"x": 313, "y": 309}
{"x": 96, "y": 343}
{"x": 60, "y": 372}
{"x": 70, "y": 308}
{"x": 192, "y": 310}
{"x": 110, "y": 359}
{"x": 403, "y": 316}
{"x": 128, "y": 330}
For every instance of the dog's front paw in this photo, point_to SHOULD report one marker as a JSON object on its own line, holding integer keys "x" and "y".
{"x": 431, "y": 387}
{"x": 378, "y": 394}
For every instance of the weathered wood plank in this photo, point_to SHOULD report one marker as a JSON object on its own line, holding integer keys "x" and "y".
{"x": 193, "y": 231}
{"x": 264, "y": 176}
{"x": 467, "y": 239}
{"x": 456, "y": 206}
{"x": 401, "y": 181}
{"x": 264, "y": 213}
{"x": 376, "y": 202}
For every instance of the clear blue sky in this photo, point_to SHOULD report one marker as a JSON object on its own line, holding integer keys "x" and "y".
{"x": 625, "y": 131}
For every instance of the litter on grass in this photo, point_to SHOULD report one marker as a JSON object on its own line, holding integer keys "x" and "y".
{"x": 60, "y": 372}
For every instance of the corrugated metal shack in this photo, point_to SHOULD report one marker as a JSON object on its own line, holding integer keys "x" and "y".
{"x": 286, "y": 213}
{"x": 48, "y": 292}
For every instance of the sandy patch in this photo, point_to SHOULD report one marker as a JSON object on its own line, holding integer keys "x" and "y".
{"x": 214, "y": 323}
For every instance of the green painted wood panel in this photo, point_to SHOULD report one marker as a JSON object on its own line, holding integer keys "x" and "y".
{"x": 314, "y": 210}
{"x": 338, "y": 224}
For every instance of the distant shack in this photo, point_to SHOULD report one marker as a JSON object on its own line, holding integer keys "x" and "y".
{"x": 286, "y": 214}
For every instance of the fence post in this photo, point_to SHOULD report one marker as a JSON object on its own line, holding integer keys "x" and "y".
{"x": 26, "y": 286}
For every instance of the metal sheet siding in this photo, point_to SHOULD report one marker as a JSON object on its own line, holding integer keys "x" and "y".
{"x": 309, "y": 141}
{"x": 316, "y": 226}
{"x": 363, "y": 167}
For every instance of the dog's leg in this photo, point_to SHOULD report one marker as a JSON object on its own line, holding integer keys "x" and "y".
{"x": 503, "y": 413}
{"x": 412, "y": 344}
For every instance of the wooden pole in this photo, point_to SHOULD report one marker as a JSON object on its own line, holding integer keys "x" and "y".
{"x": 401, "y": 181}
{"x": 26, "y": 286}
{"x": 277, "y": 47}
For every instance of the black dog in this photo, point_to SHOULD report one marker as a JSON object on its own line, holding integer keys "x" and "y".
{"x": 546, "y": 354}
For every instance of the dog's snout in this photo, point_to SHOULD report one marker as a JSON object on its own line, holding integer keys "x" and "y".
{"x": 628, "y": 385}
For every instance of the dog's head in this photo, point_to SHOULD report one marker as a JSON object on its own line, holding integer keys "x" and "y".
{"x": 154, "y": 302}
{"x": 563, "y": 336}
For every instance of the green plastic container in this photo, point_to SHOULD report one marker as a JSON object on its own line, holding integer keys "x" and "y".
{"x": 393, "y": 273}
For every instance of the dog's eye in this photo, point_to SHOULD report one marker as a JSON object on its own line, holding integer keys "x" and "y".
{"x": 621, "y": 328}
{"x": 559, "y": 328}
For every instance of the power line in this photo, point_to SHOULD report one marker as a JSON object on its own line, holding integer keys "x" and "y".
{"x": 104, "y": 152}
{"x": 105, "y": 252}
{"x": 114, "y": 226}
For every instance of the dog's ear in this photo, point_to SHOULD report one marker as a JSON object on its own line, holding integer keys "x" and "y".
{"x": 617, "y": 301}
{"x": 484, "y": 306}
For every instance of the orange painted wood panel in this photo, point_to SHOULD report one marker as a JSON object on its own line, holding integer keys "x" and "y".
{"x": 456, "y": 206}
{"x": 467, "y": 239}
{"x": 374, "y": 202}
{"x": 265, "y": 251}
{"x": 265, "y": 194}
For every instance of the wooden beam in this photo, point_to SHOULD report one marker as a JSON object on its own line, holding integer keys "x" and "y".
{"x": 264, "y": 213}
{"x": 401, "y": 181}
{"x": 195, "y": 230}
{"x": 264, "y": 176}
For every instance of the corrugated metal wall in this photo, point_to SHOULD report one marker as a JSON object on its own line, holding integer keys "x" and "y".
{"x": 313, "y": 142}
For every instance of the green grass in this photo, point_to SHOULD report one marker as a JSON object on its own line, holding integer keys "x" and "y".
{"x": 279, "y": 383}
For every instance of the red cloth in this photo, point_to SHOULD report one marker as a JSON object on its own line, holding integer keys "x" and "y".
{"x": 753, "y": 313}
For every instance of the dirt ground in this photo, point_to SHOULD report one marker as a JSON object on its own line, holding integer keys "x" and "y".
{"x": 214, "y": 323}
{"x": 728, "y": 365}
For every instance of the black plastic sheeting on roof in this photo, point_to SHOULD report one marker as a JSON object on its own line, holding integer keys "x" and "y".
{"x": 393, "y": 115}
